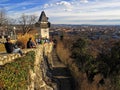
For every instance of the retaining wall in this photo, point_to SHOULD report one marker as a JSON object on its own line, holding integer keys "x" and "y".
{"x": 36, "y": 79}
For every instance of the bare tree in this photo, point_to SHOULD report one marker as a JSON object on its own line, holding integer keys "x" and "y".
{"x": 11, "y": 23}
{"x": 7, "y": 24}
{"x": 3, "y": 18}
{"x": 27, "y": 22}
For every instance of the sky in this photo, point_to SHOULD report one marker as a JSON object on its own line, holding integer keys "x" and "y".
{"x": 96, "y": 12}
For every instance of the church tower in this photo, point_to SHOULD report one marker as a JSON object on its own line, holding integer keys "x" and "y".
{"x": 43, "y": 25}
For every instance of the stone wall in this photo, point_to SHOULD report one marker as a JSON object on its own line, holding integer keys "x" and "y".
{"x": 40, "y": 84}
{"x": 35, "y": 76}
{"x": 7, "y": 58}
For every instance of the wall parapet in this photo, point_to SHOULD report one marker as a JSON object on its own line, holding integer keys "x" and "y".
{"x": 7, "y": 58}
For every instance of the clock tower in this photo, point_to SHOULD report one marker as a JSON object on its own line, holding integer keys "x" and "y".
{"x": 43, "y": 26}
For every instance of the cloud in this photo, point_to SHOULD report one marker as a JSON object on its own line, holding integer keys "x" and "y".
{"x": 70, "y": 11}
{"x": 46, "y": 5}
{"x": 67, "y": 5}
{"x": 96, "y": 12}
{"x": 61, "y": 4}
{"x": 84, "y": 1}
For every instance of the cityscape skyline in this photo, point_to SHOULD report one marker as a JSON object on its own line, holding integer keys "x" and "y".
{"x": 98, "y": 12}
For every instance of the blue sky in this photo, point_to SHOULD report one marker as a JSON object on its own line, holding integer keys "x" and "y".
{"x": 67, "y": 11}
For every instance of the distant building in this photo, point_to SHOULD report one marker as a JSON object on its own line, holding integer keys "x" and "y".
{"x": 43, "y": 26}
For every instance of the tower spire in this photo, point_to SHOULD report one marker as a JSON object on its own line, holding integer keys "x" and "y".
{"x": 43, "y": 17}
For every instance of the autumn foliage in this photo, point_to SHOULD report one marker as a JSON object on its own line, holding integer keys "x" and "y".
{"x": 95, "y": 66}
{"x": 22, "y": 40}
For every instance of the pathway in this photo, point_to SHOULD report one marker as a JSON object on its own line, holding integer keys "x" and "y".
{"x": 59, "y": 73}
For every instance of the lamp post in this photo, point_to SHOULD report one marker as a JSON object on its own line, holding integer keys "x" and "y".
{"x": 14, "y": 30}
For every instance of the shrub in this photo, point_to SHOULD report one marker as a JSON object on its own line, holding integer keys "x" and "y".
{"x": 82, "y": 63}
{"x": 2, "y": 48}
{"x": 22, "y": 40}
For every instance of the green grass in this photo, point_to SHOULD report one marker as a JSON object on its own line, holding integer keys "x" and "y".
{"x": 14, "y": 76}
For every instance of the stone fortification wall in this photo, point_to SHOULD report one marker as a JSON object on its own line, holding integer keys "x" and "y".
{"x": 36, "y": 76}
{"x": 7, "y": 58}
{"x": 40, "y": 84}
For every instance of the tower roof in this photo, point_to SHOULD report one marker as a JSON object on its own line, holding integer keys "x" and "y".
{"x": 43, "y": 17}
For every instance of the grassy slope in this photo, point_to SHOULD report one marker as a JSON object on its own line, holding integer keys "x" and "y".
{"x": 14, "y": 76}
